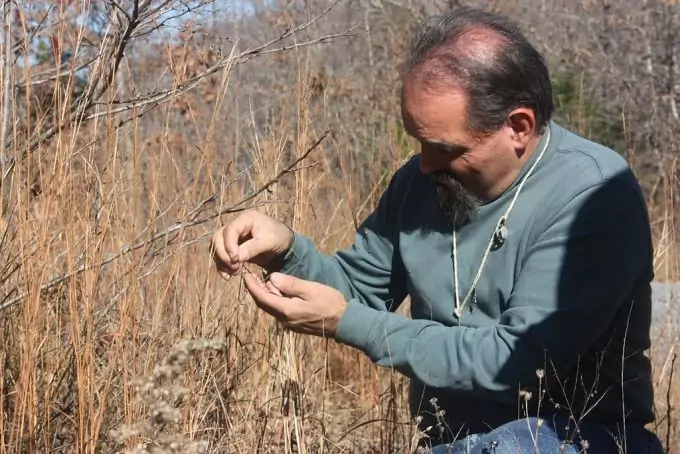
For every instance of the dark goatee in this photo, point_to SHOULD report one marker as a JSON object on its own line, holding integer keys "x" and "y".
{"x": 457, "y": 204}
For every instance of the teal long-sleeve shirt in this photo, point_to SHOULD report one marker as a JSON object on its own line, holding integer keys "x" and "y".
{"x": 567, "y": 293}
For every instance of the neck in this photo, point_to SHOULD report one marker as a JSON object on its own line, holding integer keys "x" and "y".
{"x": 489, "y": 182}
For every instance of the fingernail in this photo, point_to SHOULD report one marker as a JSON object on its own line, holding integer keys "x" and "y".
{"x": 276, "y": 278}
{"x": 225, "y": 275}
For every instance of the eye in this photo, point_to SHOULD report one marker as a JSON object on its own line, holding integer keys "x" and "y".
{"x": 454, "y": 150}
{"x": 445, "y": 149}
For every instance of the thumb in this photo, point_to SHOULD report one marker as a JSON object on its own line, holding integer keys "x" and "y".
{"x": 241, "y": 228}
{"x": 255, "y": 250}
{"x": 293, "y": 286}
{"x": 250, "y": 249}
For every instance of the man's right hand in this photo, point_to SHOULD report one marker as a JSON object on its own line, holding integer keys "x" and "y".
{"x": 252, "y": 237}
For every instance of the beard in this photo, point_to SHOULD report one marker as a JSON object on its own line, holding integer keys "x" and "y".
{"x": 457, "y": 204}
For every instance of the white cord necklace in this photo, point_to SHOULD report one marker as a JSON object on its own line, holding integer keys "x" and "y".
{"x": 499, "y": 232}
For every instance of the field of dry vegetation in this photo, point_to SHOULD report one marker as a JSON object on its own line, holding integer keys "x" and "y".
{"x": 131, "y": 130}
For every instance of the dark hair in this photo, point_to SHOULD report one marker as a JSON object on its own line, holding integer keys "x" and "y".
{"x": 489, "y": 57}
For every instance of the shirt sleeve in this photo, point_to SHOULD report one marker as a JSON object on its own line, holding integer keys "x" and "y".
{"x": 573, "y": 280}
{"x": 370, "y": 271}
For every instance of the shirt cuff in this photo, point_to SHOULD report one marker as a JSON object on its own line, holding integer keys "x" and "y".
{"x": 294, "y": 259}
{"x": 356, "y": 326}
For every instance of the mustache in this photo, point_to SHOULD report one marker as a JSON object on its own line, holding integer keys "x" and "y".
{"x": 445, "y": 178}
{"x": 449, "y": 182}
{"x": 458, "y": 205}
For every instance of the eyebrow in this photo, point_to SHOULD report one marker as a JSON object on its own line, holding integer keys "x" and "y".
{"x": 446, "y": 146}
{"x": 450, "y": 147}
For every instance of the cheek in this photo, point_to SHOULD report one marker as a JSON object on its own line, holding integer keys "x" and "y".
{"x": 481, "y": 157}
{"x": 490, "y": 153}
{"x": 460, "y": 164}
{"x": 501, "y": 145}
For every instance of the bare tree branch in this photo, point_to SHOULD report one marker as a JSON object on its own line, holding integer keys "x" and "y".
{"x": 116, "y": 39}
{"x": 166, "y": 95}
{"x": 7, "y": 75}
{"x": 189, "y": 221}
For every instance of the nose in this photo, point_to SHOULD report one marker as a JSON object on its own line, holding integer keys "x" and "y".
{"x": 430, "y": 161}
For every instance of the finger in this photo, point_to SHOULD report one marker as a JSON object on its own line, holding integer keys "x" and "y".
{"x": 267, "y": 301}
{"x": 225, "y": 272}
{"x": 222, "y": 260}
{"x": 240, "y": 228}
{"x": 259, "y": 281}
{"x": 251, "y": 249}
{"x": 265, "y": 285}
{"x": 292, "y": 286}
{"x": 273, "y": 289}
{"x": 225, "y": 267}
{"x": 217, "y": 247}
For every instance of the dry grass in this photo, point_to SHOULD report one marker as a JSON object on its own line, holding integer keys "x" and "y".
{"x": 149, "y": 350}
{"x": 82, "y": 322}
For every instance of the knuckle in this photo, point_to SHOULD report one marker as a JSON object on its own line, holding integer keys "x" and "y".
{"x": 250, "y": 213}
{"x": 288, "y": 315}
{"x": 215, "y": 239}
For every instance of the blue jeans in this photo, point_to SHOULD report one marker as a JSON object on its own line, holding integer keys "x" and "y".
{"x": 555, "y": 436}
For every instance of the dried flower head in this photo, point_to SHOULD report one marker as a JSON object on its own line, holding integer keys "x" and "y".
{"x": 162, "y": 395}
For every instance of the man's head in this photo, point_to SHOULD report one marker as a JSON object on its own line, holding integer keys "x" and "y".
{"x": 476, "y": 95}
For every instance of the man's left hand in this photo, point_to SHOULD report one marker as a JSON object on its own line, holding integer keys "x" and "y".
{"x": 302, "y": 306}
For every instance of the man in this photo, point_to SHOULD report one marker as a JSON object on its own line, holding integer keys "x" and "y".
{"x": 525, "y": 249}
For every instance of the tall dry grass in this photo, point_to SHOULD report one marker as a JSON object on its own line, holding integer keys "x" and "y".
{"x": 95, "y": 306}
{"x": 118, "y": 337}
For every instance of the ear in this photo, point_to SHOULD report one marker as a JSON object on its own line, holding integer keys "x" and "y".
{"x": 522, "y": 123}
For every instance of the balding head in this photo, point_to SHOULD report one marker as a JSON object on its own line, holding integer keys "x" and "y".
{"x": 488, "y": 58}
{"x": 477, "y": 97}
{"x": 443, "y": 65}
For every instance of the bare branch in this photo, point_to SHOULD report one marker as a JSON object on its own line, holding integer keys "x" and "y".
{"x": 113, "y": 47}
{"x": 121, "y": 10}
{"x": 166, "y": 95}
{"x": 51, "y": 75}
{"x": 188, "y": 222}
{"x": 7, "y": 75}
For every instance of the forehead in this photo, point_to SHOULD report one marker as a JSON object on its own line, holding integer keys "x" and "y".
{"x": 434, "y": 114}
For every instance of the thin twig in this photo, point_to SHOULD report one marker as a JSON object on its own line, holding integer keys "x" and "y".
{"x": 7, "y": 74}
{"x": 52, "y": 74}
{"x": 162, "y": 96}
{"x": 669, "y": 406}
{"x": 177, "y": 226}
{"x": 115, "y": 42}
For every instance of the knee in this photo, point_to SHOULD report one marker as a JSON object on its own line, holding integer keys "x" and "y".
{"x": 527, "y": 435}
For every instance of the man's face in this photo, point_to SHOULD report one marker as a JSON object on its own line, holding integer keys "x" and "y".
{"x": 450, "y": 153}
